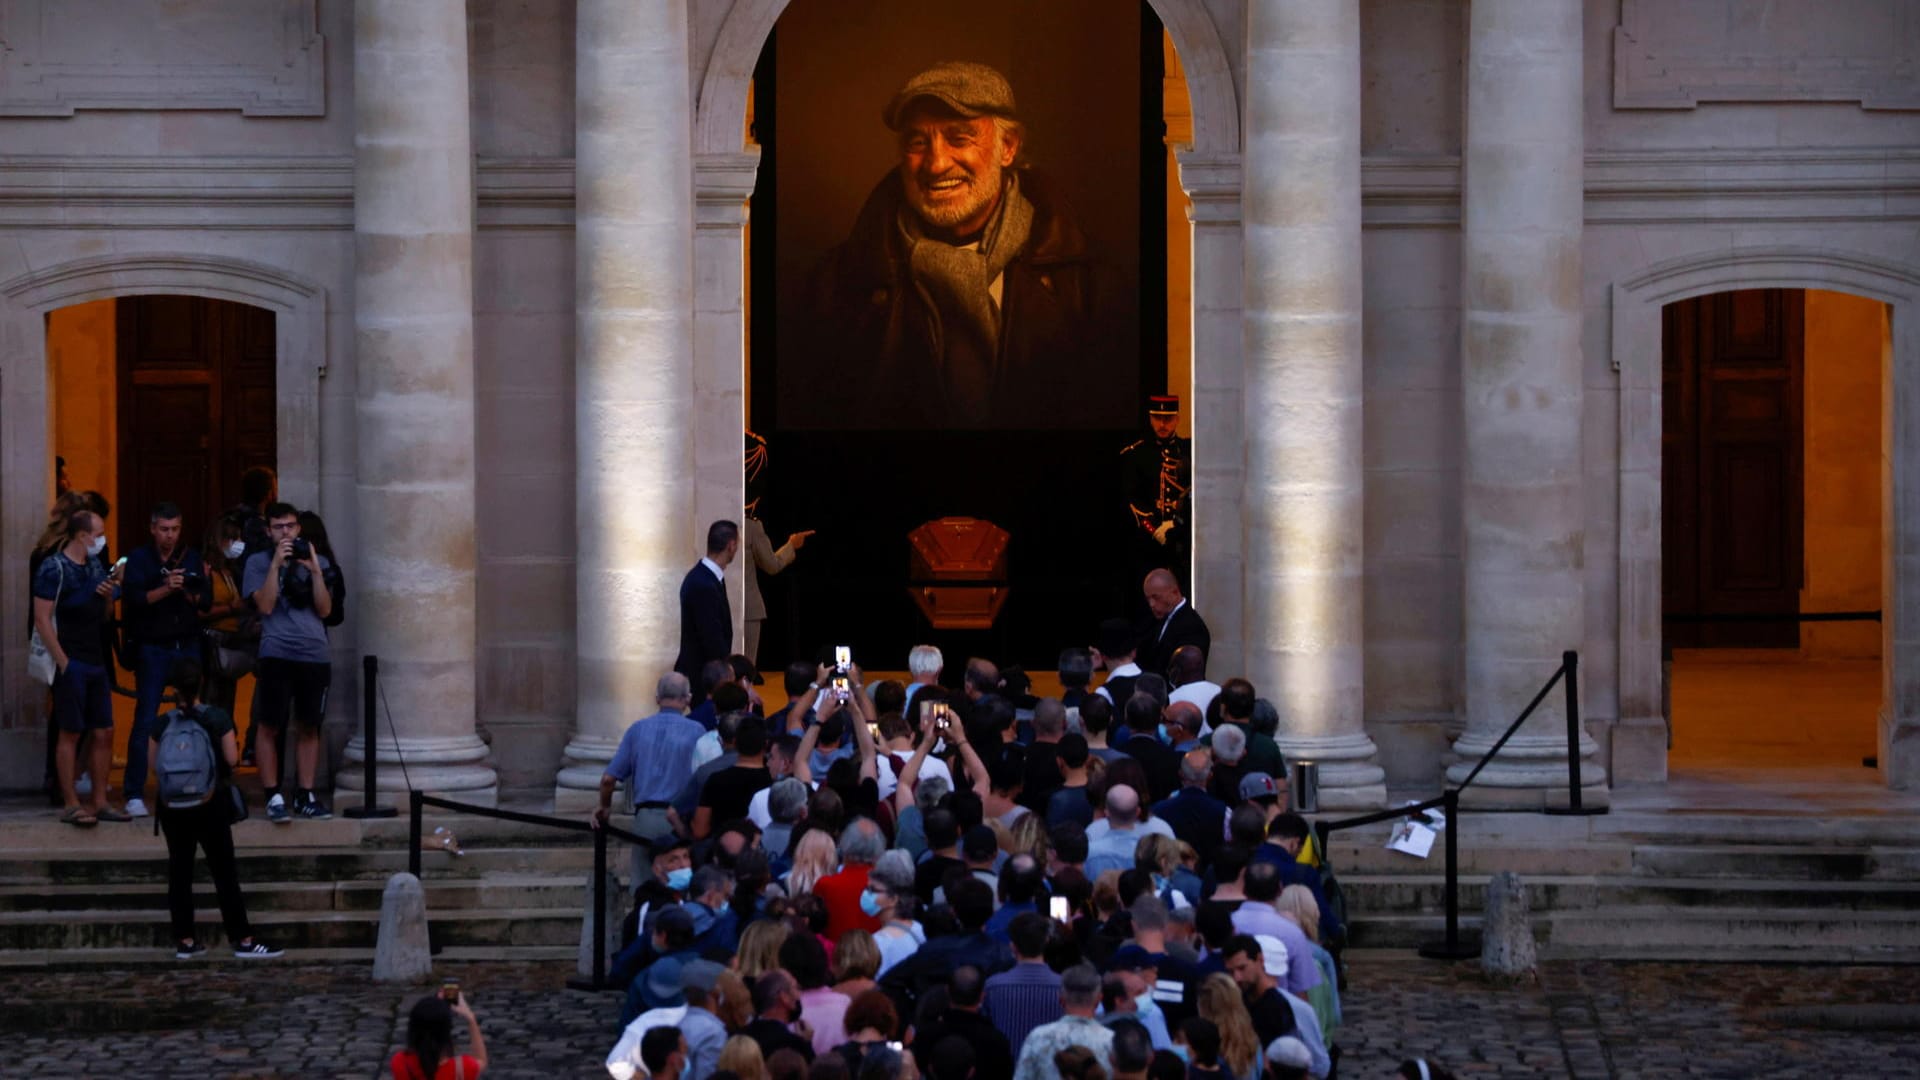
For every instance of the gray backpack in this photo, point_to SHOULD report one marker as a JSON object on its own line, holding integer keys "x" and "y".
{"x": 185, "y": 764}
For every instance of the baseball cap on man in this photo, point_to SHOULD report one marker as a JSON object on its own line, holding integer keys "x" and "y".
{"x": 1133, "y": 958}
{"x": 1258, "y": 785}
{"x": 1289, "y": 1052}
{"x": 967, "y": 88}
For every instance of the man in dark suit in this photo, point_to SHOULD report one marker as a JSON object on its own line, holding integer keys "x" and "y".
{"x": 1174, "y": 624}
{"x": 706, "y": 618}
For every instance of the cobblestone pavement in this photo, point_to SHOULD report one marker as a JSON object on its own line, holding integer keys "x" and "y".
{"x": 1579, "y": 1019}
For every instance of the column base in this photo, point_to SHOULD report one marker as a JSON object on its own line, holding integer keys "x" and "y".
{"x": 1529, "y": 773}
{"x": 1349, "y": 777}
{"x": 450, "y": 767}
{"x": 577, "y": 787}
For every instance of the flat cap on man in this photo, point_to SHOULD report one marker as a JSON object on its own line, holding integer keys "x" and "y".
{"x": 967, "y": 88}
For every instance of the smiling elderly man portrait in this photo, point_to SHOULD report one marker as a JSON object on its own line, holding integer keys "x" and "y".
{"x": 965, "y": 295}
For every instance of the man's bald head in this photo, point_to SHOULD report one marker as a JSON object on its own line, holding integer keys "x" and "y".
{"x": 1194, "y": 767}
{"x": 1186, "y": 716}
{"x": 1188, "y": 665}
{"x": 1123, "y": 806}
{"x": 1162, "y": 591}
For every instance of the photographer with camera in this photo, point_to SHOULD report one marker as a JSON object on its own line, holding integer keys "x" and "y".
{"x": 288, "y": 587}
{"x": 164, "y": 592}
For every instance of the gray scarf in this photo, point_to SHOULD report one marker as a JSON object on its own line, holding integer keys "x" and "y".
{"x": 953, "y": 282}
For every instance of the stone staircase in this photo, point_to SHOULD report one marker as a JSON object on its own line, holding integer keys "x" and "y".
{"x": 72, "y": 898}
{"x": 1670, "y": 887}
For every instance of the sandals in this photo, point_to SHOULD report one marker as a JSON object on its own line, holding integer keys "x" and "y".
{"x": 78, "y": 816}
{"x": 108, "y": 813}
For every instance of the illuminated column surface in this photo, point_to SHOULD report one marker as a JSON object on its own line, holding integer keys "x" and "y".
{"x": 1520, "y": 383}
{"x": 1304, "y": 644}
{"x": 633, "y": 367}
{"x": 413, "y": 591}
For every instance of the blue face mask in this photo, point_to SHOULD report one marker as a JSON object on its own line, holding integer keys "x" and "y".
{"x": 1163, "y": 734}
{"x": 870, "y": 904}
{"x": 1181, "y": 1051}
{"x": 678, "y": 880}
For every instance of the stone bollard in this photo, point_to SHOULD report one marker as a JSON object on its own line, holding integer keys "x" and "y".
{"x": 610, "y": 933}
{"x": 402, "y": 953}
{"x": 1506, "y": 935}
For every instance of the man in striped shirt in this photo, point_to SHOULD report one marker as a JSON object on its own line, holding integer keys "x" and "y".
{"x": 1026, "y": 995}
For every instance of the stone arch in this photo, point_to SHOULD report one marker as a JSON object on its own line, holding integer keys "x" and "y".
{"x": 721, "y": 110}
{"x": 1639, "y": 741}
{"x": 26, "y": 300}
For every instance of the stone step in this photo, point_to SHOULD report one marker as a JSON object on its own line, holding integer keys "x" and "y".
{"x": 1652, "y": 932}
{"x": 1367, "y": 893}
{"x": 77, "y": 959}
{"x": 148, "y": 865}
{"x": 488, "y": 892}
{"x": 150, "y": 928}
{"x": 1778, "y": 862}
{"x": 1482, "y": 858}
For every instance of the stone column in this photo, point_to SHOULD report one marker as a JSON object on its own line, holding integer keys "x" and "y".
{"x": 1305, "y": 647}
{"x": 1521, "y": 388}
{"x": 633, "y": 381}
{"x": 413, "y": 579}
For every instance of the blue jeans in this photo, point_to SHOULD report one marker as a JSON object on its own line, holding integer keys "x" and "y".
{"x": 150, "y": 666}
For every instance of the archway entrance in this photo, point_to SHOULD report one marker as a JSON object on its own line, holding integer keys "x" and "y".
{"x": 159, "y": 399}
{"x": 1775, "y": 480}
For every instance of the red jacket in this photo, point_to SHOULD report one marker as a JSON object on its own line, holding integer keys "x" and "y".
{"x": 841, "y": 893}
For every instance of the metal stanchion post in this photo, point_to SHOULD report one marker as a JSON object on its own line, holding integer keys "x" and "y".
{"x": 1453, "y": 948}
{"x": 1570, "y": 669}
{"x": 369, "y": 778}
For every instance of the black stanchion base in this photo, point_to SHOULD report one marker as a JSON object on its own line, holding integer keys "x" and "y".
{"x": 1459, "y": 950}
{"x": 1574, "y": 811}
{"x": 582, "y": 982}
{"x": 370, "y": 812}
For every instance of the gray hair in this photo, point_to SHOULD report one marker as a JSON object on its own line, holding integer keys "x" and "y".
{"x": 1265, "y": 719}
{"x": 1049, "y": 719}
{"x": 928, "y": 793}
{"x": 1193, "y": 768}
{"x": 1229, "y": 744}
{"x": 1123, "y": 806}
{"x": 1080, "y": 986}
{"x": 862, "y": 842}
{"x": 925, "y": 660}
{"x": 1149, "y": 912}
{"x": 895, "y": 873}
{"x": 673, "y": 686}
{"x": 786, "y": 799}
{"x": 707, "y": 879}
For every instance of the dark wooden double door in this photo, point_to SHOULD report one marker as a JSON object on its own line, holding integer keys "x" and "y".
{"x": 196, "y": 408}
{"x": 1731, "y": 473}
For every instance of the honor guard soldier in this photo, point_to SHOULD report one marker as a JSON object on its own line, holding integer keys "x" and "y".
{"x": 1157, "y": 474}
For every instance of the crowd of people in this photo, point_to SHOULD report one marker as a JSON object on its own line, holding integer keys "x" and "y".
{"x": 884, "y": 880}
{"x": 256, "y": 597}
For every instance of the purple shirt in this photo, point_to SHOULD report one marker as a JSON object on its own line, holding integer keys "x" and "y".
{"x": 1257, "y": 918}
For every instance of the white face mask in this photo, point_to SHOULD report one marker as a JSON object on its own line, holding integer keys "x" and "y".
{"x": 235, "y": 548}
{"x": 96, "y": 545}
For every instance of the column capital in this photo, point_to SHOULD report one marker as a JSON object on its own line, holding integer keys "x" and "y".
{"x": 722, "y": 184}
{"x": 1214, "y": 183}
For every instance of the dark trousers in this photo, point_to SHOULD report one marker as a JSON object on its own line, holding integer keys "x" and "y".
{"x": 206, "y": 827}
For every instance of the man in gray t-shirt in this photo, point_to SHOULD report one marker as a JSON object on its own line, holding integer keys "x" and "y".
{"x": 287, "y": 584}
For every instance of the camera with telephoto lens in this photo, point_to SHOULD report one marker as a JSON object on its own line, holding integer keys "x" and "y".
{"x": 301, "y": 549}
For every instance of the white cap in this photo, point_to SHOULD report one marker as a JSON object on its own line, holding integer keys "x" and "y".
{"x": 1273, "y": 952}
{"x": 1290, "y": 1052}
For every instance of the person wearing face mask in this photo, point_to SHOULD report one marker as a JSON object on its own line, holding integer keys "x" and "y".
{"x": 230, "y": 626}
{"x": 663, "y": 884}
{"x": 777, "y": 1025}
{"x": 715, "y": 925}
{"x": 72, "y": 593}
{"x": 1199, "y": 1047}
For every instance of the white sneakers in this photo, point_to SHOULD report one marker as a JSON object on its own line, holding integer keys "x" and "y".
{"x": 136, "y": 808}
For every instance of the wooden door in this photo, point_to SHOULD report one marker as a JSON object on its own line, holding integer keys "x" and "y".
{"x": 196, "y": 408}
{"x": 1732, "y": 535}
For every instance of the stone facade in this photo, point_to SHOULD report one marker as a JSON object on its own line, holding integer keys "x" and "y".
{"x": 1700, "y": 151}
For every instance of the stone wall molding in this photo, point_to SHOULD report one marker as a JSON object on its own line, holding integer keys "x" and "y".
{"x": 1640, "y": 736}
{"x": 300, "y": 308}
{"x": 262, "y": 57}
